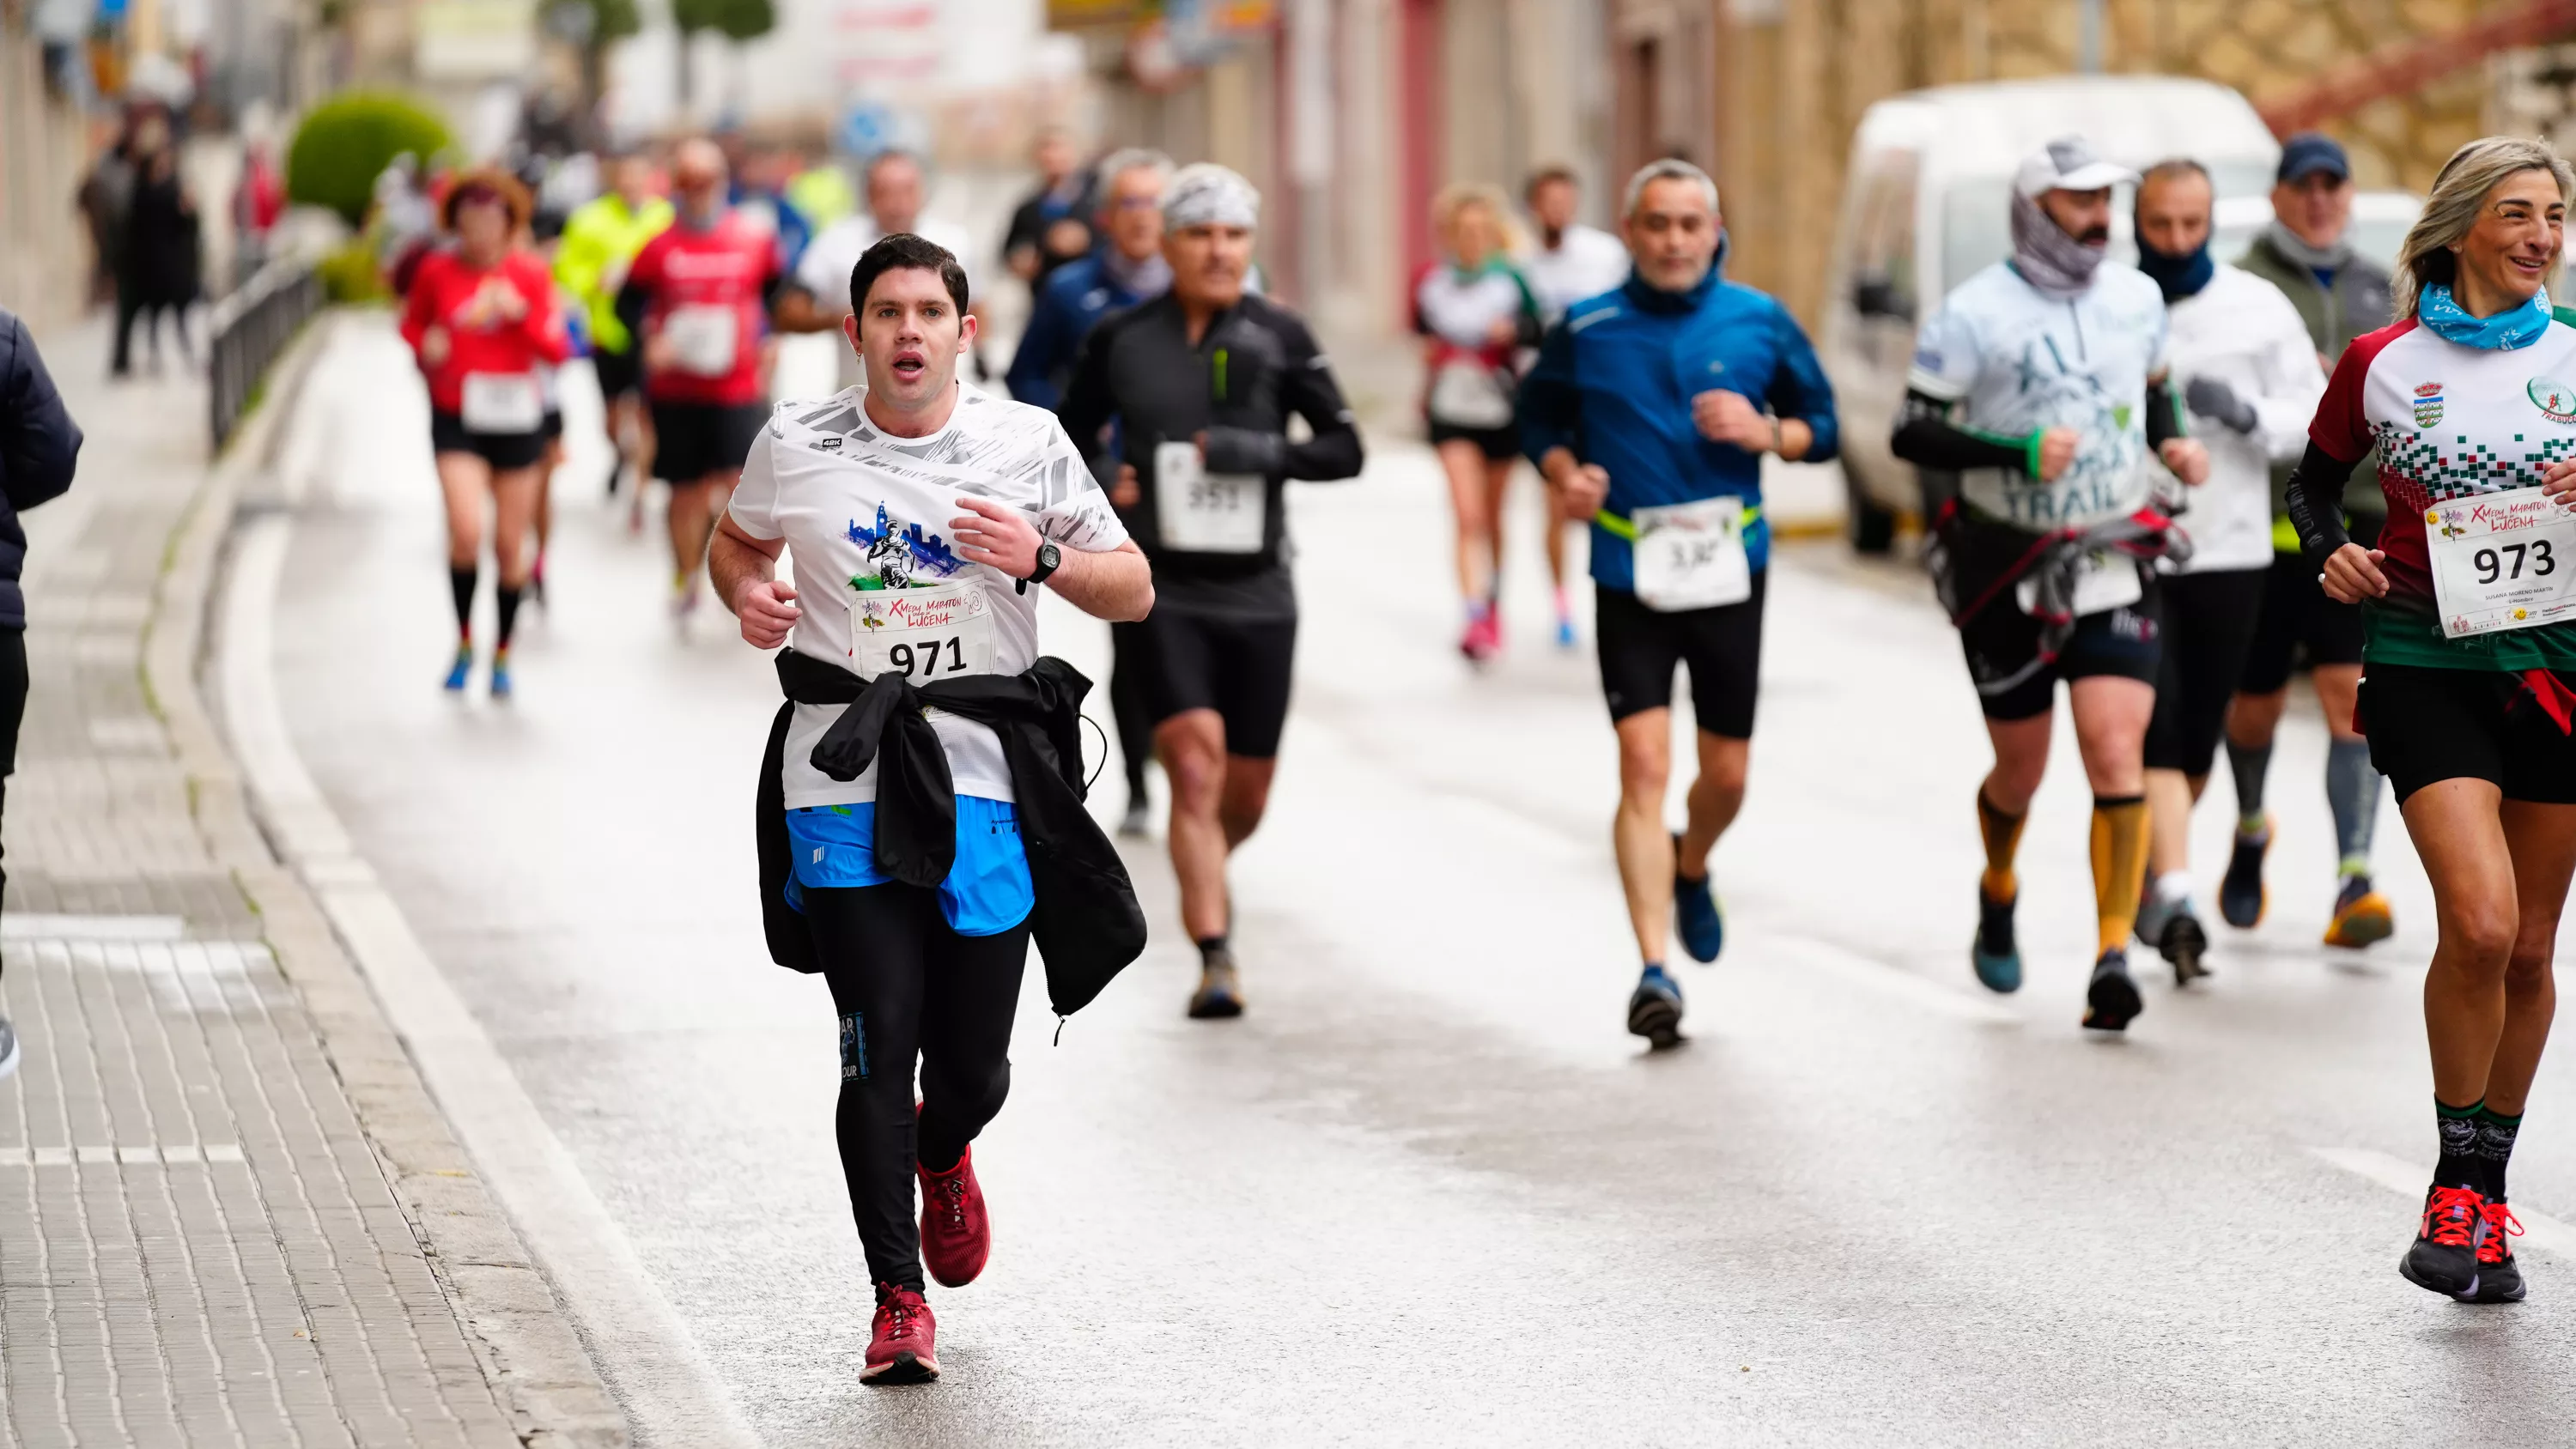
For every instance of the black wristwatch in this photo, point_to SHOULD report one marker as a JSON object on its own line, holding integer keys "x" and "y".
{"x": 1048, "y": 561}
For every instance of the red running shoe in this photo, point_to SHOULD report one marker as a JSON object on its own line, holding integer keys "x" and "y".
{"x": 956, "y": 1233}
{"x": 2444, "y": 1257}
{"x": 899, "y": 1349}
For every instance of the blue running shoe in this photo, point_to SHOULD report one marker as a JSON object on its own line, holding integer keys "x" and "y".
{"x": 1655, "y": 1011}
{"x": 464, "y": 666}
{"x": 1995, "y": 955}
{"x": 1696, "y": 918}
{"x": 501, "y": 674}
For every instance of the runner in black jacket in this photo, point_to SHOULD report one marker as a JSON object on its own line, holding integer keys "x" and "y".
{"x": 1200, "y": 384}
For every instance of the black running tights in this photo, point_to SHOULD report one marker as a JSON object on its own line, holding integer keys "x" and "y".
{"x": 906, "y": 986}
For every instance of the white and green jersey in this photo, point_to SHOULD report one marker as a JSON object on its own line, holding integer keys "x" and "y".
{"x": 2017, "y": 362}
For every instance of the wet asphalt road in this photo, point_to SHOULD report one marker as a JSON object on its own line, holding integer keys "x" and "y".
{"x": 1428, "y": 1190}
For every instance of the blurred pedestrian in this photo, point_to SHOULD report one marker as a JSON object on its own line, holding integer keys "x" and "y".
{"x": 697, "y": 300}
{"x": 1047, "y": 229}
{"x": 105, "y": 195}
{"x": 1128, "y": 268}
{"x": 600, "y": 241}
{"x": 39, "y": 446}
{"x": 481, "y": 318}
{"x": 158, "y": 271}
{"x": 259, "y": 199}
{"x": 1572, "y": 261}
{"x": 1475, "y": 313}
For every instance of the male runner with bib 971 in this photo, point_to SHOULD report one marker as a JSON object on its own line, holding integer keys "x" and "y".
{"x": 1648, "y": 413}
{"x": 2042, "y": 381}
{"x": 925, "y": 739}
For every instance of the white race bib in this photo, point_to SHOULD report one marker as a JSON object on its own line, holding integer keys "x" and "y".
{"x": 1691, "y": 555}
{"x": 1201, "y": 512}
{"x": 503, "y": 402}
{"x": 1467, "y": 394}
{"x": 2104, "y": 581}
{"x": 929, "y": 634}
{"x": 704, "y": 338}
{"x": 2501, "y": 561}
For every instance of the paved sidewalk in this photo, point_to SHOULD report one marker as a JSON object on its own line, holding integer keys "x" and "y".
{"x": 199, "y": 1242}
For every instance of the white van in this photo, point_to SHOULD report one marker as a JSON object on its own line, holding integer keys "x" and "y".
{"x": 1927, "y": 203}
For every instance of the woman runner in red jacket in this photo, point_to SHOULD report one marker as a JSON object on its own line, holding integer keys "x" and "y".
{"x": 481, "y": 318}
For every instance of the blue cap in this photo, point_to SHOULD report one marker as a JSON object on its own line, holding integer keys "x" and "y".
{"x": 2309, "y": 152}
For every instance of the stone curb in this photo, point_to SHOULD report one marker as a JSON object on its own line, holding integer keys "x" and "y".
{"x": 535, "y": 1362}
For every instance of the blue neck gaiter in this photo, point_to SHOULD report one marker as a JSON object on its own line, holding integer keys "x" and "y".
{"x": 2180, "y": 276}
{"x": 2514, "y": 327}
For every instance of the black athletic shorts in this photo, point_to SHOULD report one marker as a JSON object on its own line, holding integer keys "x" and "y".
{"x": 2427, "y": 725}
{"x": 2209, "y": 622}
{"x": 2299, "y": 623}
{"x": 1722, "y": 645}
{"x": 620, "y": 373}
{"x": 1237, "y": 666}
{"x": 692, "y": 440}
{"x": 551, "y": 427}
{"x": 1497, "y": 444}
{"x": 448, "y": 434}
{"x": 1999, "y": 639}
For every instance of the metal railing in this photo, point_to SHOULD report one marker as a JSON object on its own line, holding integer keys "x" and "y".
{"x": 250, "y": 328}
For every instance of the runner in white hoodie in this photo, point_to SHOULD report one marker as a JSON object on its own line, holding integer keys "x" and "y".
{"x": 2247, "y": 373}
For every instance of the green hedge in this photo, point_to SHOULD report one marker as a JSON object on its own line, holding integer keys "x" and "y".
{"x": 346, "y": 142}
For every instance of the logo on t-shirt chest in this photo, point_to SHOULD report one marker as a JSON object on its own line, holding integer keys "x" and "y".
{"x": 2555, "y": 399}
{"x": 2428, "y": 404}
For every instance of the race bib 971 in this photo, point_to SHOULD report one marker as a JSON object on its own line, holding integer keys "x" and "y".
{"x": 2501, "y": 561}
{"x": 924, "y": 634}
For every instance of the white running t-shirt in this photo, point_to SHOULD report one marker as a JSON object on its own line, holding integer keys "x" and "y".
{"x": 858, "y": 506}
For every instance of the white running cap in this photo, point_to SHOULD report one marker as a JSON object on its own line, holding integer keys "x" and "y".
{"x": 2068, "y": 163}
{"x": 1206, "y": 194}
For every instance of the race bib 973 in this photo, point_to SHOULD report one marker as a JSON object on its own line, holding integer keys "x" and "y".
{"x": 924, "y": 634}
{"x": 2501, "y": 561}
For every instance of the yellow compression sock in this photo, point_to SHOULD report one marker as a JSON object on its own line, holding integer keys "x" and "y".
{"x": 2119, "y": 864}
{"x": 2002, "y": 834}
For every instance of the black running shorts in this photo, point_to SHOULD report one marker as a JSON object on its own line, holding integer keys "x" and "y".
{"x": 692, "y": 440}
{"x": 620, "y": 373}
{"x": 1238, "y": 666}
{"x": 2428, "y": 725}
{"x": 2299, "y": 623}
{"x": 504, "y": 451}
{"x": 2000, "y": 640}
{"x": 1723, "y": 647}
{"x": 2209, "y": 623}
{"x": 1497, "y": 444}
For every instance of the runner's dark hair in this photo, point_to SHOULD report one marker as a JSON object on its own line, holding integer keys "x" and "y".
{"x": 904, "y": 250}
{"x": 1553, "y": 171}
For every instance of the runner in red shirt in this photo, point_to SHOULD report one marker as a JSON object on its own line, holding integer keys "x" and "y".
{"x": 481, "y": 318}
{"x": 699, "y": 296}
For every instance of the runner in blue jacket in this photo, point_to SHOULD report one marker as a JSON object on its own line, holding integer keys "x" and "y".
{"x": 1648, "y": 414}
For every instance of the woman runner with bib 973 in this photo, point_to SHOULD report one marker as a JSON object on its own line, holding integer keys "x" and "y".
{"x": 2469, "y": 626}
{"x": 481, "y": 317}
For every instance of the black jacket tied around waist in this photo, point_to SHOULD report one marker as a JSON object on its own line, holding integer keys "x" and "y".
{"x": 1086, "y": 922}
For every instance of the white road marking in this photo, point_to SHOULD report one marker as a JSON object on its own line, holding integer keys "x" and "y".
{"x": 34, "y": 926}
{"x": 644, "y": 1350}
{"x": 1909, "y": 987}
{"x": 2539, "y": 1230}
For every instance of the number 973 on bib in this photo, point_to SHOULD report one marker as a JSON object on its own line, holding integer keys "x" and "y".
{"x": 2501, "y": 561}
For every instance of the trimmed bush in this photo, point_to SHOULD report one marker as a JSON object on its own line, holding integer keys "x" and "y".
{"x": 349, "y": 274}
{"x": 346, "y": 142}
